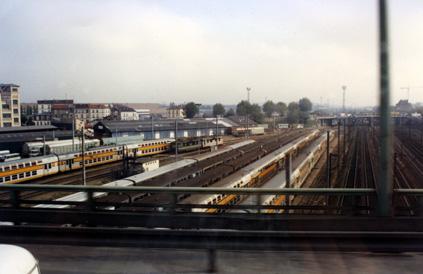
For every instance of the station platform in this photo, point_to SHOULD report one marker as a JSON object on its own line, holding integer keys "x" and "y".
{"x": 60, "y": 259}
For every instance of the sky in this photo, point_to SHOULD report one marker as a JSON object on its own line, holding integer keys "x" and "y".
{"x": 207, "y": 51}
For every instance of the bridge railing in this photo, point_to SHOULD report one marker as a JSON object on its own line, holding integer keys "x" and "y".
{"x": 87, "y": 198}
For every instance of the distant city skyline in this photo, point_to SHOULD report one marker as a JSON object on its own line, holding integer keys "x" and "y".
{"x": 207, "y": 51}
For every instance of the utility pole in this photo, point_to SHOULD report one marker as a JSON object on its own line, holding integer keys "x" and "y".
{"x": 152, "y": 128}
{"x": 73, "y": 127}
{"x": 217, "y": 127}
{"x": 385, "y": 188}
{"x": 344, "y": 88}
{"x": 176, "y": 137}
{"x": 84, "y": 176}
{"x": 44, "y": 145}
{"x": 248, "y": 120}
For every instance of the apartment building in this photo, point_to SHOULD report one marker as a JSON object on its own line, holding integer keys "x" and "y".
{"x": 10, "y": 107}
{"x": 91, "y": 112}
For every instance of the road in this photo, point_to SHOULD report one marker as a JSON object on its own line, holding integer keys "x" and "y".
{"x": 93, "y": 260}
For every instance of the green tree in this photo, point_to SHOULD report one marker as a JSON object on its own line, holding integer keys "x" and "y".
{"x": 281, "y": 109}
{"x": 268, "y": 108}
{"x": 243, "y": 108}
{"x": 293, "y": 113}
{"x": 218, "y": 109}
{"x": 191, "y": 109}
{"x": 230, "y": 112}
{"x": 305, "y": 104}
{"x": 256, "y": 114}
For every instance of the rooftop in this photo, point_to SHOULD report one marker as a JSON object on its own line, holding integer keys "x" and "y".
{"x": 8, "y": 85}
{"x": 5, "y": 130}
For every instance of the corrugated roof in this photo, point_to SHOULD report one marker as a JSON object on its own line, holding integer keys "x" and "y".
{"x": 26, "y": 129}
{"x": 145, "y": 125}
{"x": 33, "y": 136}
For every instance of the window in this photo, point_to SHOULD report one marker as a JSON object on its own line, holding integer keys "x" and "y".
{"x": 34, "y": 172}
{"x": 21, "y": 175}
{"x": 27, "y": 174}
{"x": 7, "y": 178}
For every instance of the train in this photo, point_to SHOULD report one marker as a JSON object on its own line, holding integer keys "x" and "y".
{"x": 299, "y": 175}
{"x": 21, "y": 170}
{"x": 251, "y": 176}
{"x": 183, "y": 145}
{"x": 39, "y": 148}
{"x": 143, "y": 177}
{"x": 60, "y": 157}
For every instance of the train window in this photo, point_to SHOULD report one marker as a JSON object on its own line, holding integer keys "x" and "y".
{"x": 33, "y": 163}
{"x": 34, "y": 172}
{"x": 14, "y": 177}
{"x": 7, "y": 178}
{"x": 21, "y": 165}
{"x": 1, "y": 179}
{"x": 6, "y": 168}
{"x": 27, "y": 174}
{"x": 21, "y": 175}
{"x": 14, "y": 167}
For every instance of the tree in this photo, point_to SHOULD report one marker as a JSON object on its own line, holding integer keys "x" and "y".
{"x": 281, "y": 108}
{"x": 191, "y": 109}
{"x": 218, "y": 109}
{"x": 243, "y": 108}
{"x": 293, "y": 113}
{"x": 305, "y": 104}
{"x": 268, "y": 108}
{"x": 230, "y": 112}
{"x": 256, "y": 114}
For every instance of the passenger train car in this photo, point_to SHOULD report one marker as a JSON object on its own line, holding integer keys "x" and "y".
{"x": 31, "y": 168}
{"x": 192, "y": 144}
{"x": 299, "y": 175}
{"x": 251, "y": 176}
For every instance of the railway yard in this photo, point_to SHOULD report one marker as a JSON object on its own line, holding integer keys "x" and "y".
{"x": 287, "y": 159}
{"x": 263, "y": 162}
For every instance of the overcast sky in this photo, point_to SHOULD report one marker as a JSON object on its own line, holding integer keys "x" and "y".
{"x": 207, "y": 51}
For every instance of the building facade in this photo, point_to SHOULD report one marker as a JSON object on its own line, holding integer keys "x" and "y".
{"x": 175, "y": 111}
{"x": 10, "y": 110}
{"x": 91, "y": 112}
{"x": 123, "y": 113}
{"x": 45, "y": 106}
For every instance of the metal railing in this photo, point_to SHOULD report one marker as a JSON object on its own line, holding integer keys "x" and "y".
{"x": 15, "y": 199}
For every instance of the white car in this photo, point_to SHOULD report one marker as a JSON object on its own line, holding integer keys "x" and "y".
{"x": 17, "y": 260}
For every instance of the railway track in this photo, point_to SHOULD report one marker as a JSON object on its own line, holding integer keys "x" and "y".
{"x": 210, "y": 171}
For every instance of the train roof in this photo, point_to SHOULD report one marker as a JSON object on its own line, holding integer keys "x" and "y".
{"x": 31, "y": 159}
{"x": 139, "y": 178}
{"x": 246, "y": 171}
{"x": 60, "y": 142}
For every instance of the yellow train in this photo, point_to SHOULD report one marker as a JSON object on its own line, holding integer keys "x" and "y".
{"x": 299, "y": 175}
{"x": 251, "y": 176}
{"x": 36, "y": 167}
